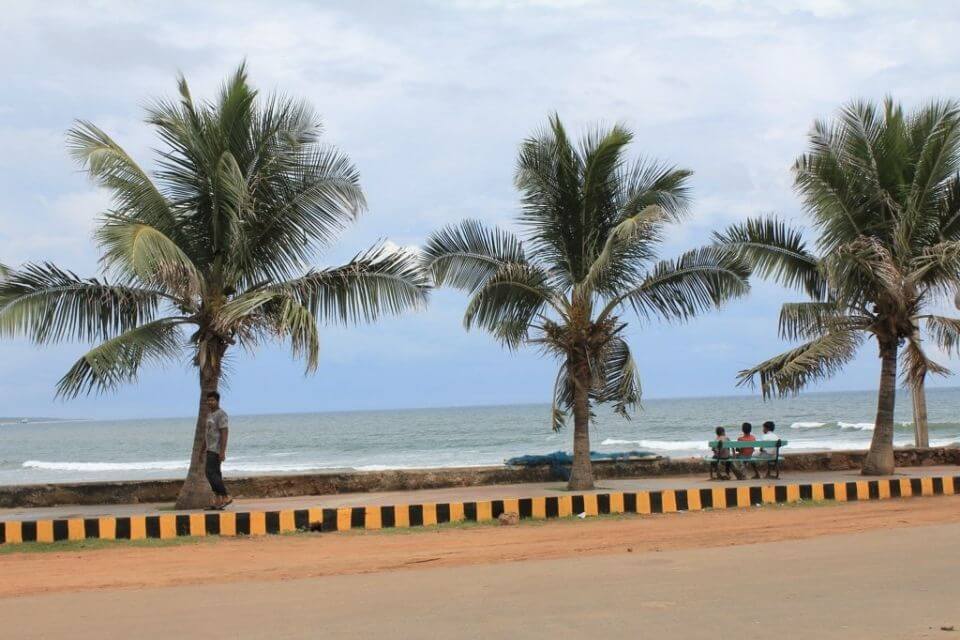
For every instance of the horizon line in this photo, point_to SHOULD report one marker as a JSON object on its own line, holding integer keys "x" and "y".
{"x": 453, "y": 406}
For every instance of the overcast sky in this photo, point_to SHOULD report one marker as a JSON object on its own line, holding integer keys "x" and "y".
{"x": 430, "y": 100}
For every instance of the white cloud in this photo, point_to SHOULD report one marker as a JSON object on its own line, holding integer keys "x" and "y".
{"x": 431, "y": 99}
{"x": 58, "y": 228}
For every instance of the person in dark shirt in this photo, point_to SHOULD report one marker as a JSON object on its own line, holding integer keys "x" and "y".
{"x": 215, "y": 440}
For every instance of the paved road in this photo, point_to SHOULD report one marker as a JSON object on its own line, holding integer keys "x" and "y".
{"x": 458, "y": 494}
{"x": 899, "y": 583}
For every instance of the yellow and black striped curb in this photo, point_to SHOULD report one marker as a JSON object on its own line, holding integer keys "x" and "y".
{"x": 228, "y": 523}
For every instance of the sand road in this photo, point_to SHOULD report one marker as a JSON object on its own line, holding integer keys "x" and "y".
{"x": 868, "y": 570}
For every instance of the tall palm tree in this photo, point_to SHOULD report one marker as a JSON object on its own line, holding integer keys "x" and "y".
{"x": 211, "y": 250}
{"x": 593, "y": 223}
{"x": 884, "y": 194}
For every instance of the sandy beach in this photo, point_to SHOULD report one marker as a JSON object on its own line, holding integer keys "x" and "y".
{"x": 669, "y": 573}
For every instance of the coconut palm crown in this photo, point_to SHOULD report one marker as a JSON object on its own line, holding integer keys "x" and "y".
{"x": 211, "y": 250}
{"x": 882, "y": 189}
{"x": 593, "y": 222}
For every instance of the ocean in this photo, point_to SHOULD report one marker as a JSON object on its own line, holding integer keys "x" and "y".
{"x": 91, "y": 450}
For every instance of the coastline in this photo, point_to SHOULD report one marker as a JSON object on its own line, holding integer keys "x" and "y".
{"x": 336, "y": 482}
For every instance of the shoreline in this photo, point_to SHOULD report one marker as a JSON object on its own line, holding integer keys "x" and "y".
{"x": 178, "y": 472}
{"x": 338, "y": 482}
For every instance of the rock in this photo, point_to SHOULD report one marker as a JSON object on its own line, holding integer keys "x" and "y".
{"x": 509, "y": 518}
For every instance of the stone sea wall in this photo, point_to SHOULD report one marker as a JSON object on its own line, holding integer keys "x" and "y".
{"x": 149, "y": 491}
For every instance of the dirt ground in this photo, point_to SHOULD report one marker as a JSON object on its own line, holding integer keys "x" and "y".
{"x": 316, "y": 555}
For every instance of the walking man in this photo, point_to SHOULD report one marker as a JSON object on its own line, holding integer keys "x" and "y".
{"x": 216, "y": 450}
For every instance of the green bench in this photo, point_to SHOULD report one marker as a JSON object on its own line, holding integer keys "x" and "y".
{"x": 772, "y": 461}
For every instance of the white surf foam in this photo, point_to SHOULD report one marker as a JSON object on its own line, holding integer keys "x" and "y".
{"x": 808, "y": 425}
{"x": 170, "y": 465}
{"x": 152, "y": 465}
{"x": 393, "y": 467}
{"x": 858, "y": 426}
{"x": 243, "y": 467}
{"x": 663, "y": 445}
{"x": 827, "y": 445}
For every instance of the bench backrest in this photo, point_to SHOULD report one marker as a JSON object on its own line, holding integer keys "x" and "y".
{"x": 757, "y": 444}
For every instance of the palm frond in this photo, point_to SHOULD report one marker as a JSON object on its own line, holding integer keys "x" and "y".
{"x": 602, "y": 158}
{"x": 945, "y": 332}
{"x": 134, "y": 194}
{"x": 273, "y": 312}
{"x": 562, "y": 398}
{"x": 465, "y": 255}
{"x": 141, "y": 252}
{"x": 935, "y": 130}
{"x": 549, "y": 177}
{"x": 649, "y": 183}
{"x": 298, "y": 210}
{"x": 915, "y": 366}
{"x": 618, "y": 378}
{"x": 49, "y": 304}
{"x": 509, "y": 301}
{"x": 805, "y": 320}
{"x": 233, "y": 201}
{"x": 826, "y": 189}
{"x": 377, "y": 282}
{"x": 948, "y": 208}
{"x": 699, "y": 280}
{"x": 118, "y": 360}
{"x": 790, "y": 371}
{"x": 294, "y": 321}
{"x": 616, "y": 262}
{"x": 776, "y": 251}
{"x": 937, "y": 268}
{"x": 864, "y": 271}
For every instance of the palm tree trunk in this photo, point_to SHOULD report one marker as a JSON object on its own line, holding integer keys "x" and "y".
{"x": 581, "y": 472}
{"x": 920, "y": 428}
{"x": 879, "y": 460}
{"x": 195, "y": 492}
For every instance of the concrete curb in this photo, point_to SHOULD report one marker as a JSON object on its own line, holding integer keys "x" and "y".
{"x": 229, "y": 523}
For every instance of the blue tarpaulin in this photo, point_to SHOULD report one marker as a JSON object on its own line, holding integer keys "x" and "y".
{"x": 559, "y": 461}
{"x": 562, "y": 457}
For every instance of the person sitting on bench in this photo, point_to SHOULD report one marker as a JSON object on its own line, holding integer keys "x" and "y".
{"x": 722, "y": 454}
{"x": 768, "y": 434}
{"x": 747, "y": 452}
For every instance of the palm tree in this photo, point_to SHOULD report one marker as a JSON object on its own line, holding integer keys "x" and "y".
{"x": 211, "y": 250}
{"x": 884, "y": 194}
{"x": 593, "y": 221}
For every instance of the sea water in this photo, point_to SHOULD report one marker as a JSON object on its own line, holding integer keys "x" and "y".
{"x": 91, "y": 450}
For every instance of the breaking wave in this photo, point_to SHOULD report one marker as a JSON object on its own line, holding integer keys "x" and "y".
{"x": 858, "y": 426}
{"x": 663, "y": 445}
{"x": 154, "y": 465}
